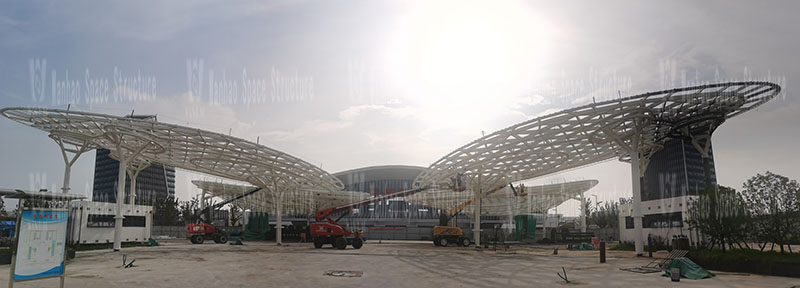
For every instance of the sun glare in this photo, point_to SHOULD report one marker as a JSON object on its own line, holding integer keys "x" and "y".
{"x": 468, "y": 60}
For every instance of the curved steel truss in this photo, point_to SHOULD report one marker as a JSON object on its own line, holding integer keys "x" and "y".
{"x": 596, "y": 132}
{"x": 293, "y": 202}
{"x": 183, "y": 147}
{"x": 532, "y": 199}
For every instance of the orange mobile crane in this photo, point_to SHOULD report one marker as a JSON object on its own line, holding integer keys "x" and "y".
{"x": 444, "y": 234}
{"x": 200, "y": 229}
{"x": 331, "y": 232}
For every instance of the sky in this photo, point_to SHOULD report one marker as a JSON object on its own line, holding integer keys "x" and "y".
{"x": 349, "y": 84}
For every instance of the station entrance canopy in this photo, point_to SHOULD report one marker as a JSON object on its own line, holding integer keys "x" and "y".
{"x": 557, "y": 142}
{"x": 187, "y": 148}
{"x": 504, "y": 202}
{"x": 593, "y": 133}
{"x": 293, "y": 202}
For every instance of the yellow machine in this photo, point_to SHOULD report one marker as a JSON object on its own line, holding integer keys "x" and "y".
{"x": 443, "y": 234}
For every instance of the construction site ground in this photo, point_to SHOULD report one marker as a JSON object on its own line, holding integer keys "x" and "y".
{"x": 415, "y": 264}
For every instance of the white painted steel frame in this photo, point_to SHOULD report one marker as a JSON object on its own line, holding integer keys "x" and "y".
{"x": 533, "y": 199}
{"x": 628, "y": 128}
{"x": 300, "y": 202}
{"x": 183, "y": 147}
{"x": 593, "y": 133}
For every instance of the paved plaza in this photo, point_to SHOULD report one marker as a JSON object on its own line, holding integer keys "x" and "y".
{"x": 390, "y": 264}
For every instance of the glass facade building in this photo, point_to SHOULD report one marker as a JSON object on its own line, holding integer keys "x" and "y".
{"x": 384, "y": 180}
{"x": 154, "y": 182}
{"x": 677, "y": 170}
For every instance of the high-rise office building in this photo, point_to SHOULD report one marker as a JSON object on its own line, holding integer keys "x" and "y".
{"x": 677, "y": 170}
{"x": 154, "y": 182}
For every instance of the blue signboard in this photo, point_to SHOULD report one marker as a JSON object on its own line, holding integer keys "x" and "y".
{"x": 42, "y": 240}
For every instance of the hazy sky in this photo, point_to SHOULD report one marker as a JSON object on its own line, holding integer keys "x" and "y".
{"x": 347, "y": 84}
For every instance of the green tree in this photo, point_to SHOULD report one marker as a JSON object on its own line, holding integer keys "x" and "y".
{"x": 187, "y": 210}
{"x": 166, "y": 212}
{"x": 721, "y": 215}
{"x": 3, "y": 207}
{"x": 235, "y": 214}
{"x": 607, "y": 215}
{"x": 774, "y": 202}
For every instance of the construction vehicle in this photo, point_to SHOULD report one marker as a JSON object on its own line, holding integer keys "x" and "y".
{"x": 201, "y": 230}
{"x": 444, "y": 234}
{"x": 331, "y": 232}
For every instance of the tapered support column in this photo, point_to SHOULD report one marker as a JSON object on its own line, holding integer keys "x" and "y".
{"x": 476, "y": 223}
{"x": 67, "y": 174}
{"x": 132, "y": 196}
{"x": 76, "y": 149}
{"x": 120, "y": 199}
{"x": 133, "y": 173}
{"x": 543, "y": 207}
{"x": 278, "y": 198}
{"x": 583, "y": 213}
{"x": 544, "y": 225}
{"x": 637, "y": 195}
{"x": 279, "y": 220}
{"x": 124, "y": 162}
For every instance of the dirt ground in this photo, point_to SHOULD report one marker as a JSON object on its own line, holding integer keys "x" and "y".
{"x": 177, "y": 263}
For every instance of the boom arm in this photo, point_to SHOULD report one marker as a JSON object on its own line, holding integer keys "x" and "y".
{"x": 325, "y": 214}
{"x": 452, "y": 212}
{"x": 196, "y": 217}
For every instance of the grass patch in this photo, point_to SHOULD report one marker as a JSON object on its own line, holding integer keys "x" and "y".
{"x": 623, "y": 246}
{"x": 749, "y": 261}
{"x": 747, "y": 255}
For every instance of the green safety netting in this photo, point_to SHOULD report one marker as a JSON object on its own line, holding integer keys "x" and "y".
{"x": 582, "y": 246}
{"x": 257, "y": 226}
{"x": 525, "y": 227}
{"x": 688, "y": 268}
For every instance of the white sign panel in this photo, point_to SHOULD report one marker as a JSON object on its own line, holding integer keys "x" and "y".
{"x": 42, "y": 237}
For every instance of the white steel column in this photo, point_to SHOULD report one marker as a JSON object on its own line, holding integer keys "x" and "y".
{"x": 543, "y": 208}
{"x": 544, "y": 225}
{"x": 278, "y": 212}
{"x": 120, "y": 198}
{"x": 476, "y": 223}
{"x": 279, "y": 220}
{"x": 202, "y": 200}
{"x": 637, "y": 194}
{"x": 583, "y": 213}
{"x": 132, "y": 193}
{"x": 123, "y": 168}
{"x": 78, "y": 150}
{"x": 133, "y": 173}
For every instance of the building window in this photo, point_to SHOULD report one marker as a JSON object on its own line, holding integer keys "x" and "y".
{"x": 98, "y": 220}
{"x": 628, "y": 222}
{"x": 665, "y": 220}
{"x": 134, "y": 221}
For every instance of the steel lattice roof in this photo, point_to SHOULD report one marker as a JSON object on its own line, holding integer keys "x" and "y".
{"x": 593, "y": 133}
{"x": 183, "y": 147}
{"x": 534, "y": 199}
{"x": 299, "y": 202}
{"x": 557, "y": 142}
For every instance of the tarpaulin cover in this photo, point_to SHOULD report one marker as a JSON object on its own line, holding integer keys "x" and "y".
{"x": 257, "y": 226}
{"x": 688, "y": 268}
{"x": 582, "y": 246}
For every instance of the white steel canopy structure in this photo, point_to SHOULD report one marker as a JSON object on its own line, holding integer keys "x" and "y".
{"x": 136, "y": 143}
{"x": 532, "y": 199}
{"x": 631, "y": 129}
{"x": 593, "y": 133}
{"x": 297, "y": 202}
{"x": 188, "y": 148}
